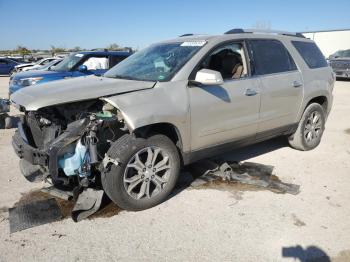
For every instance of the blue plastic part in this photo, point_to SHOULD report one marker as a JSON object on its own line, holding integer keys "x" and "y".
{"x": 71, "y": 163}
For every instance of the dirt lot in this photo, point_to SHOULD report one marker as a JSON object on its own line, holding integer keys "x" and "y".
{"x": 230, "y": 223}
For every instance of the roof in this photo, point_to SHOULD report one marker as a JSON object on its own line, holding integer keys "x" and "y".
{"x": 239, "y": 33}
{"x": 113, "y": 53}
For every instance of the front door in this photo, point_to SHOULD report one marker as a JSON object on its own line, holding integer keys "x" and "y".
{"x": 228, "y": 112}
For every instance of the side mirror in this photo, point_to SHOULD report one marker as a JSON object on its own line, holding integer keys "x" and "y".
{"x": 82, "y": 68}
{"x": 209, "y": 77}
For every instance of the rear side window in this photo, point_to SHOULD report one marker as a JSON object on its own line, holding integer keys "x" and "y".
{"x": 113, "y": 60}
{"x": 270, "y": 56}
{"x": 311, "y": 54}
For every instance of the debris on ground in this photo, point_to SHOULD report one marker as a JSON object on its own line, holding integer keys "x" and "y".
{"x": 252, "y": 174}
{"x": 34, "y": 214}
{"x": 91, "y": 202}
{"x": 88, "y": 203}
{"x": 53, "y": 191}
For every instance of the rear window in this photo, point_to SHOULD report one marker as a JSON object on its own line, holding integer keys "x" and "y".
{"x": 270, "y": 56}
{"x": 311, "y": 54}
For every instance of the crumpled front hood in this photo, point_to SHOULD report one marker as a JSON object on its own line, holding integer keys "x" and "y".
{"x": 72, "y": 90}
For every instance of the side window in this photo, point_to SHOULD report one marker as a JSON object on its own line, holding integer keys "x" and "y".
{"x": 113, "y": 60}
{"x": 270, "y": 56}
{"x": 229, "y": 60}
{"x": 3, "y": 62}
{"x": 96, "y": 63}
{"x": 311, "y": 54}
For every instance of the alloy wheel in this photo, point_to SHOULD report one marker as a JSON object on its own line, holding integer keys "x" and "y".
{"x": 147, "y": 173}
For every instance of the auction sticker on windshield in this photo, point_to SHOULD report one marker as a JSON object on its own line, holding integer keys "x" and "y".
{"x": 193, "y": 43}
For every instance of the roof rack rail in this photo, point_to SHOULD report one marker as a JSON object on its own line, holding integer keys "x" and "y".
{"x": 260, "y": 31}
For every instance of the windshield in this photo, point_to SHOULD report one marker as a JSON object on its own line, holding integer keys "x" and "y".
{"x": 156, "y": 63}
{"x": 343, "y": 53}
{"x": 69, "y": 62}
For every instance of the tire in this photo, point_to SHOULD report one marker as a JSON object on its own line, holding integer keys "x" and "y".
{"x": 116, "y": 179}
{"x": 300, "y": 140}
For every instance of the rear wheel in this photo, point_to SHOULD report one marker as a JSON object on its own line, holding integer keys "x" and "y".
{"x": 310, "y": 128}
{"x": 147, "y": 172}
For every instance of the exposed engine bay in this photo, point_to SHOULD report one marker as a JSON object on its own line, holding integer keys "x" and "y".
{"x": 67, "y": 143}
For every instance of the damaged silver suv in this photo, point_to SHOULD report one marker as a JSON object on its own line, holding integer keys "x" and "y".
{"x": 130, "y": 131}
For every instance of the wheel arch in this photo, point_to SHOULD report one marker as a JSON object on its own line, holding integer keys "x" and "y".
{"x": 164, "y": 128}
{"x": 322, "y": 100}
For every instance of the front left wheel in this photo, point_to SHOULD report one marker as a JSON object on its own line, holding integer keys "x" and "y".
{"x": 146, "y": 174}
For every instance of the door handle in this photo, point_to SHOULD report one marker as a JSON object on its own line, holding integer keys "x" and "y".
{"x": 250, "y": 92}
{"x": 297, "y": 84}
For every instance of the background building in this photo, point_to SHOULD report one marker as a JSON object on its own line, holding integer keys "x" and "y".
{"x": 330, "y": 41}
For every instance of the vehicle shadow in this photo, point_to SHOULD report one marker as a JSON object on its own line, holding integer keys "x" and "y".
{"x": 242, "y": 154}
{"x": 309, "y": 254}
{"x": 217, "y": 91}
{"x": 255, "y": 150}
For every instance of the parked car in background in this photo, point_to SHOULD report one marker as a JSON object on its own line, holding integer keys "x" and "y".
{"x": 7, "y": 65}
{"x": 75, "y": 65}
{"x": 173, "y": 103}
{"x": 340, "y": 62}
{"x": 49, "y": 66}
{"x": 29, "y": 66}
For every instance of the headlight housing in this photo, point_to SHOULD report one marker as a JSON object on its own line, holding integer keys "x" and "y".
{"x": 29, "y": 81}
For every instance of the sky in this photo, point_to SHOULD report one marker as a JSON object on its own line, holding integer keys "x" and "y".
{"x": 38, "y": 24}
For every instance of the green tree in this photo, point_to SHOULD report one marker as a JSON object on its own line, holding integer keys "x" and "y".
{"x": 23, "y": 51}
{"x": 54, "y": 50}
{"x": 76, "y": 49}
{"x": 114, "y": 46}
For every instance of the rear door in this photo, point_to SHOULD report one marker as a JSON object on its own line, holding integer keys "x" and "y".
{"x": 281, "y": 85}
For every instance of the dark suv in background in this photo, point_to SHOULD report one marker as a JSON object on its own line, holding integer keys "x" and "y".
{"x": 340, "y": 62}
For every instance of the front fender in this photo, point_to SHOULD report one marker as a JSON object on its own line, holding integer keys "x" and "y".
{"x": 165, "y": 103}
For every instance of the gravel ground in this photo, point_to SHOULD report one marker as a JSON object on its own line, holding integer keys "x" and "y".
{"x": 221, "y": 223}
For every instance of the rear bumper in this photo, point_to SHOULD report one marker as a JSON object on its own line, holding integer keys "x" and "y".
{"x": 343, "y": 73}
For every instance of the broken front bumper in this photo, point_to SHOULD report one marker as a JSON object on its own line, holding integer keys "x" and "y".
{"x": 32, "y": 160}
{"x": 25, "y": 151}
{"x": 47, "y": 157}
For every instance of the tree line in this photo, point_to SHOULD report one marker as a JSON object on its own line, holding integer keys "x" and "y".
{"x": 24, "y": 51}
